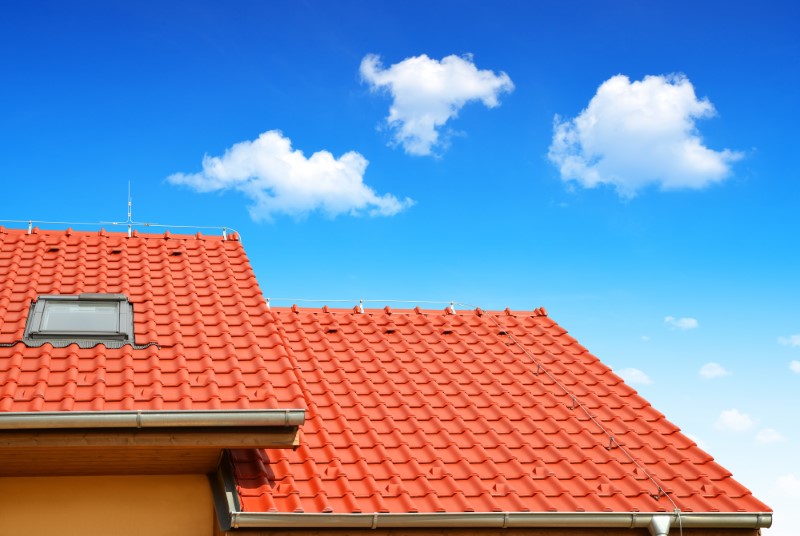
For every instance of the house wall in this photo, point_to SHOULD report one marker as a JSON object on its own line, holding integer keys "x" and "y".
{"x": 172, "y": 505}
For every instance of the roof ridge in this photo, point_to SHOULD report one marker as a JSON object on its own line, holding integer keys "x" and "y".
{"x": 387, "y": 310}
{"x": 135, "y": 233}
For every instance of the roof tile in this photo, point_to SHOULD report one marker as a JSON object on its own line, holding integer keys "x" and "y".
{"x": 197, "y": 307}
{"x": 447, "y": 413}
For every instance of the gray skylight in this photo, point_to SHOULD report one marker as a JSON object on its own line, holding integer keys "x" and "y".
{"x": 83, "y": 316}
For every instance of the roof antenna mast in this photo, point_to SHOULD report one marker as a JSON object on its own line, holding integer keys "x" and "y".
{"x": 130, "y": 210}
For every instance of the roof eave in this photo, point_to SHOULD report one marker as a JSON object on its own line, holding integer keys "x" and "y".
{"x": 137, "y": 442}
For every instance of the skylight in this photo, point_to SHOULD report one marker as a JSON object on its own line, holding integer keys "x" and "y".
{"x": 83, "y": 316}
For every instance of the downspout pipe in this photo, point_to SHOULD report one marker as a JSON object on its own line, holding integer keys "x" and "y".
{"x": 151, "y": 419}
{"x": 659, "y": 525}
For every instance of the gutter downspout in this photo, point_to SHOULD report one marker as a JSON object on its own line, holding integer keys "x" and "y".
{"x": 659, "y": 525}
{"x": 224, "y": 492}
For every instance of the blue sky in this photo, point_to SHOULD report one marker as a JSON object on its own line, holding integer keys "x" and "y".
{"x": 673, "y": 192}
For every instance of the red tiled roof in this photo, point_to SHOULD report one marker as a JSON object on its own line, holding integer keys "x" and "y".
{"x": 427, "y": 411}
{"x": 195, "y": 296}
{"x": 407, "y": 411}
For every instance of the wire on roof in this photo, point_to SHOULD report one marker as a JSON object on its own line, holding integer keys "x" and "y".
{"x": 577, "y": 404}
{"x": 224, "y": 230}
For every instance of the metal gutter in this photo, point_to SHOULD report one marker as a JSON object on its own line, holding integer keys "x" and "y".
{"x": 150, "y": 419}
{"x": 230, "y": 516}
{"x": 693, "y": 520}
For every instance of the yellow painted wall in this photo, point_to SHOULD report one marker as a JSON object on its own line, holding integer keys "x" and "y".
{"x": 172, "y": 505}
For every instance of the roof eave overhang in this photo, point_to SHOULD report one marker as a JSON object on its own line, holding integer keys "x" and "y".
{"x": 689, "y": 520}
{"x": 137, "y": 442}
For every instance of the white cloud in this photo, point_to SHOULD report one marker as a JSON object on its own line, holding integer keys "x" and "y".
{"x": 713, "y": 370}
{"x": 791, "y": 340}
{"x": 789, "y": 485}
{"x": 278, "y": 179}
{"x": 427, "y": 93}
{"x": 768, "y": 435}
{"x": 634, "y": 134}
{"x": 734, "y": 420}
{"x": 794, "y": 366}
{"x": 681, "y": 323}
{"x": 635, "y": 376}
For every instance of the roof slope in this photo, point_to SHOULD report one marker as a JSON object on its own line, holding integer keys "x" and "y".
{"x": 426, "y": 411}
{"x": 195, "y": 297}
{"x": 408, "y": 411}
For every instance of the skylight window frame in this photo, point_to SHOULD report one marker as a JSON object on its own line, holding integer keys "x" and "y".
{"x": 36, "y": 330}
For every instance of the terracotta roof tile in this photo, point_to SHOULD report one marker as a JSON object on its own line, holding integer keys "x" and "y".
{"x": 407, "y": 410}
{"x": 441, "y": 412}
{"x": 200, "y": 307}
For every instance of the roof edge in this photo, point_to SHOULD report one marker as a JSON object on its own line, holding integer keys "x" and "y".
{"x": 150, "y": 419}
{"x": 717, "y": 520}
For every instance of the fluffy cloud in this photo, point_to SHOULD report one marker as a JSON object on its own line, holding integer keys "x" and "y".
{"x": 427, "y": 93}
{"x": 681, "y": 323}
{"x": 734, "y": 420}
{"x": 278, "y": 179}
{"x": 713, "y": 370}
{"x": 635, "y": 376}
{"x": 634, "y": 134}
{"x": 794, "y": 366}
{"x": 768, "y": 435}
{"x": 791, "y": 340}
